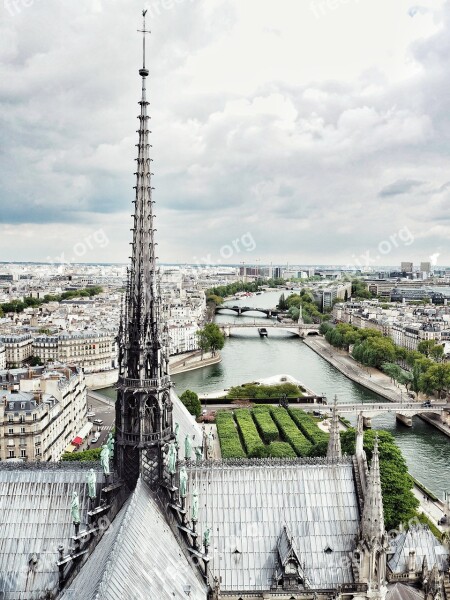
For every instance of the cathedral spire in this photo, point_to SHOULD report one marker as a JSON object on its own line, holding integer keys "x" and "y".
{"x": 334, "y": 443}
{"x": 143, "y": 407}
{"x": 372, "y": 526}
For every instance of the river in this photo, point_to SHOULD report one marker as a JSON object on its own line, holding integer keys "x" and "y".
{"x": 246, "y": 357}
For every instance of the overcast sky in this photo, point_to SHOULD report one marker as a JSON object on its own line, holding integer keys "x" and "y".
{"x": 308, "y": 131}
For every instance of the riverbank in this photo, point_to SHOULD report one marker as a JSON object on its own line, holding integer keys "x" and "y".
{"x": 192, "y": 361}
{"x": 368, "y": 377}
{"x": 371, "y": 378}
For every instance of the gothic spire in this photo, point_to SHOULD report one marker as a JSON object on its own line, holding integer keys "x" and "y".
{"x": 143, "y": 406}
{"x": 372, "y": 527}
{"x": 141, "y": 336}
{"x": 334, "y": 443}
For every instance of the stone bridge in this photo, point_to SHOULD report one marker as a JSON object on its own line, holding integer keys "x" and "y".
{"x": 404, "y": 411}
{"x": 301, "y": 330}
{"x": 240, "y": 310}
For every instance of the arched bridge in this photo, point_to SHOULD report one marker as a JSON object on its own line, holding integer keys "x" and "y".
{"x": 404, "y": 411}
{"x": 301, "y": 330}
{"x": 240, "y": 310}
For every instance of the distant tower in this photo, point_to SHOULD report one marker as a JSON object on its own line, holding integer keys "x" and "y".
{"x": 334, "y": 443}
{"x": 143, "y": 406}
{"x": 372, "y": 546}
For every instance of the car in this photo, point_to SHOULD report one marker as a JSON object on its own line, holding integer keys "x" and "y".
{"x": 98, "y": 422}
{"x": 90, "y": 414}
{"x": 94, "y": 440}
{"x": 426, "y": 404}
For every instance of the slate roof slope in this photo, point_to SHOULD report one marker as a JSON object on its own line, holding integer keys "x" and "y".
{"x": 400, "y": 591}
{"x": 140, "y": 560}
{"x": 247, "y": 503}
{"x": 421, "y": 539}
{"x": 36, "y": 518}
{"x": 186, "y": 421}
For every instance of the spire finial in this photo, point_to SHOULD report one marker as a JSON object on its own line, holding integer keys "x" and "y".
{"x": 373, "y": 517}
{"x": 143, "y": 72}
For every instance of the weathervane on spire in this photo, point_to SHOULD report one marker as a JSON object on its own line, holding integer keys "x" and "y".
{"x": 143, "y": 72}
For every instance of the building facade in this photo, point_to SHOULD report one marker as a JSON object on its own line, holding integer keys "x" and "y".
{"x": 41, "y": 414}
{"x": 2, "y": 356}
{"x": 91, "y": 350}
{"x": 18, "y": 349}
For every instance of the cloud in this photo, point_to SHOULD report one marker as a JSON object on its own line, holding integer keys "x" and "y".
{"x": 401, "y": 186}
{"x": 277, "y": 123}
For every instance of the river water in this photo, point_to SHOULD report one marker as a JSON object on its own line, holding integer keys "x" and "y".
{"x": 246, "y": 357}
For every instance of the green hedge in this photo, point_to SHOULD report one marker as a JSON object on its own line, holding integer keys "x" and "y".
{"x": 249, "y": 434}
{"x": 290, "y": 432}
{"x": 260, "y": 391}
{"x": 230, "y": 444}
{"x": 280, "y": 450}
{"x": 308, "y": 426}
{"x": 265, "y": 424}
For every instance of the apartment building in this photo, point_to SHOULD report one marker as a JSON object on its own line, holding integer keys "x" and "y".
{"x": 42, "y": 414}
{"x": 18, "y": 348}
{"x": 91, "y": 350}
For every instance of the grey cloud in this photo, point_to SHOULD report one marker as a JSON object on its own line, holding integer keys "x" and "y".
{"x": 401, "y": 186}
{"x": 224, "y": 163}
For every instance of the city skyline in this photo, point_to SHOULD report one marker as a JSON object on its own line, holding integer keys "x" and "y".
{"x": 295, "y": 139}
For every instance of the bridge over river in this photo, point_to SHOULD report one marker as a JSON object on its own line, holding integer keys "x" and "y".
{"x": 240, "y": 310}
{"x": 299, "y": 329}
{"x": 404, "y": 411}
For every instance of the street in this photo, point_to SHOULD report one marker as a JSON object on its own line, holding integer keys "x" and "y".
{"x": 103, "y": 410}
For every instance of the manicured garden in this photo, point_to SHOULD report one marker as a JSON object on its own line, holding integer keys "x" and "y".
{"x": 267, "y": 431}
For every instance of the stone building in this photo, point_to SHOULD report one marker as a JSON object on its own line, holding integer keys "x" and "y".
{"x": 2, "y": 356}
{"x": 18, "y": 348}
{"x": 90, "y": 350}
{"x": 41, "y": 414}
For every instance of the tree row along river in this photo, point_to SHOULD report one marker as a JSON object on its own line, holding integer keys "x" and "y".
{"x": 247, "y": 357}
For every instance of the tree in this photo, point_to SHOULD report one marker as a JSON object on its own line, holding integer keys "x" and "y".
{"x": 399, "y": 502}
{"x": 425, "y": 346}
{"x": 436, "y": 379}
{"x": 359, "y": 289}
{"x": 216, "y": 300}
{"x": 282, "y": 303}
{"x": 437, "y": 352}
{"x": 34, "y": 361}
{"x": 191, "y": 402}
{"x": 325, "y": 328}
{"x": 210, "y": 338}
{"x": 295, "y": 313}
{"x": 374, "y": 351}
{"x": 203, "y": 342}
{"x": 85, "y": 455}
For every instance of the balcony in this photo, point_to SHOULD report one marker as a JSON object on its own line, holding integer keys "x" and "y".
{"x": 136, "y": 439}
{"x": 143, "y": 383}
